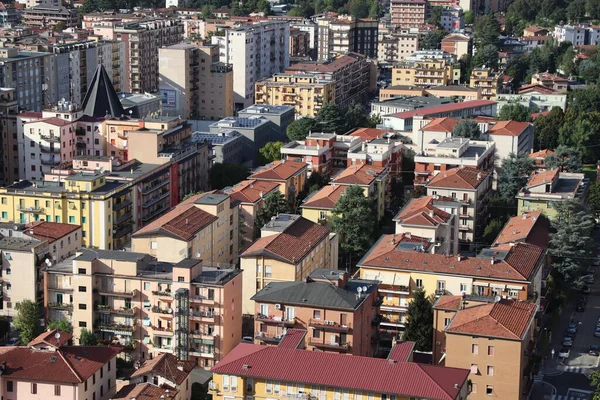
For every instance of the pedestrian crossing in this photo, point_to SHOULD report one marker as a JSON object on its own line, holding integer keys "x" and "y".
{"x": 576, "y": 370}
{"x": 567, "y": 397}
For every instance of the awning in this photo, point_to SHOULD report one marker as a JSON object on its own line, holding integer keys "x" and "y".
{"x": 496, "y": 286}
{"x": 485, "y": 284}
{"x": 401, "y": 279}
{"x": 513, "y": 287}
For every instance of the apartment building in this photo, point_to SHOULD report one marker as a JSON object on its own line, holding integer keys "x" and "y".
{"x": 142, "y": 40}
{"x": 226, "y": 146}
{"x": 494, "y": 340}
{"x": 338, "y": 311}
{"x": 408, "y": 13}
{"x": 258, "y": 51}
{"x": 249, "y": 196}
{"x": 27, "y": 72}
{"x": 299, "y": 43}
{"x": 193, "y": 83}
{"x": 488, "y": 81}
{"x": 510, "y": 137}
{"x": 50, "y": 367}
{"x": 578, "y": 35}
{"x": 351, "y": 74}
{"x": 384, "y": 152}
{"x": 457, "y": 44}
{"x": 394, "y": 44}
{"x": 344, "y": 34}
{"x": 530, "y": 227}
{"x": 372, "y": 179}
{"x": 203, "y": 226}
{"x": 545, "y": 188}
{"x": 459, "y": 92}
{"x": 401, "y": 99}
{"x": 9, "y": 158}
{"x": 289, "y": 249}
{"x": 424, "y": 72}
{"x": 291, "y": 177}
{"x": 422, "y": 218}
{"x": 8, "y": 15}
{"x": 537, "y": 96}
{"x": 316, "y": 151}
{"x": 319, "y": 205}
{"x": 404, "y": 263}
{"x": 306, "y": 93}
{"x": 128, "y": 298}
{"x": 554, "y": 81}
{"x": 167, "y": 371}
{"x": 452, "y": 18}
{"x": 47, "y": 16}
{"x": 281, "y": 372}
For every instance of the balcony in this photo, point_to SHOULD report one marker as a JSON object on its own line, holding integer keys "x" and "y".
{"x": 59, "y": 287}
{"x": 35, "y": 209}
{"x": 463, "y": 227}
{"x": 202, "y": 300}
{"x": 46, "y": 149}
{"x": 330, "y": 326}
{"x": 122, "y": 232}
{"x": 272, "y": 320}
{"x": 393, "y": 307}
{"x": 342, "y": 347}
{"x": 164, "y": 294}
{"x": 50, "y": 161}
{"x": 204, "y": 316}
{"x": 395, "y": 289}
{"x": 121, "y": 205}
{"x": 123, "y": 218}
{"x": 154, "y": 214}
{"x": 121, "y": 329}
{"x": 155, "y": 199}
{"x": 168, "y": 313}
{"x": 60, "y": 306}
{"x": 391, "y": 322}
{"x": 109, "y": 292}
{"x": 102, "y": 308}
{"x": 261, "y": 336}
{"x": 154, "y": 187}
{"x": 50, "y": 138}
{"x": 162, "y": 331}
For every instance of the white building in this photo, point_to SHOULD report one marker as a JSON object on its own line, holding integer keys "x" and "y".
{"x": 256, "y": 51}
{"x": 579, "y": 35}
{"x": 452, "y": 18}
{"x": 307, "y": 25}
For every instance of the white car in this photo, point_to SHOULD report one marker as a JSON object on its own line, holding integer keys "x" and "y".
{"x": 564, "y": 353}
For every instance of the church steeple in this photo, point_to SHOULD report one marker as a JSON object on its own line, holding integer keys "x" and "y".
{"x": 101, "y": 99}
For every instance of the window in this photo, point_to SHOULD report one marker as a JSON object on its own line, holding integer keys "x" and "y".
{"x": 8, "y": 287}
{"x": 419, "y": 283}
{"x": 447, "y": 322}
{"x": 82, "y": 289}
{"x": 8, "y": 256}
{"x": 82, "y": 306}
{"x": 267, "y": 271}
{"x": 153, "y": 245}
{"x": 83, "y": 220}
{"x": 489, "y": 390}
{"x": 316, "y": 334}
{"x": 8, "y": 271}
{"x": 277, "y": 387}
{"x": 71, "y": 219}
{"x": 226, "y": 383}
{"x": 473, "y": 387}
{"x": 82, "y": 324}
{"x": 269, "y": 387}
{"x": 490, "y": 370}
{"x": 101, "y": 372}
{"x": 180, "y": 279}
{"x": 491, "y": 350}
{"x": 101, "y": 390}
{"x": 463, "y": 287}
{"x": 85, "y": 385}
{"x": 9, "y": 386}
{"x": 34, "y": 388}
{"x": 234, "y": 383}
{"x": 474, "y": 349}
{"x": 57, "y": 390}
{"x": 249, "y": 385}
{"x": 316, "y": 314}
{"x": 81, "y": 271}
{"x": 513, "y": 293}
{"x": 146, "y": 285}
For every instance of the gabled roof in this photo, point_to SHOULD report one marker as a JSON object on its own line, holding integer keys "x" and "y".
{"x": 279, "y": 170}
{"x": 506, "y": 319}
{"x": 101, "y": 99}
{"x": 508, "y": 128}
{"x": 325, "y": 198}
{"x": 456, "y": 37}
{"x": 366, "y": 134}
{"x": 145, "y": 391}
{"x": 446, "y": 124}
{"x": 360, "y": 174}
{"x": 52, "y": 121}
{"x": 530, "y": 227}
{"x": 541, "y": 154}
{"x": 49, "y": 231}
{"x": 448, "y": 302}
{"x": 465, "y": 105}
{"x": 536, "y": 87}
{"x": 292, "y": 339}
{"x": 49, "y": 338}
{"x": 519, "y": 262}
{"x": 250, "y": 191}
{"x": 421, "y": 211}
{"x": 165, "y": 365}
{"x": 401, "y": 352}
{"x": 368, "y": 374}
{"x": 291, "y": 245}
{"x": 542, "y": 178}
{"x": 459, "y": 178}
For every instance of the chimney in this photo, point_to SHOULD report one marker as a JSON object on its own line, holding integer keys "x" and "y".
{"x": 458, "y": 257}
{"x": 408, "y": 235}
{"x": 492, "y": 260}
{"x": 479, "y": 176}
{"x": 431, "y": 213}
{"x": 342, "y": 279}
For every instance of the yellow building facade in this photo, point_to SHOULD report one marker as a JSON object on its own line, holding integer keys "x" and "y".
{"x": 423, "y": 73}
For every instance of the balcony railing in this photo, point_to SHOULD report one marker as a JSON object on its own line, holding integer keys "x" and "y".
{"x": 109, "y": 292}
{"x": 121, "y": 205}
{"x": 268, "y": 338}
{"x": 60, "y": 306}
{"x": 162, "y": 293}
{"x": 50, "y": 138}
{"x": 121, "y": 329}
{"x": 204, "y": 315}
{"x": 270, "y": 319}
{"x": 102, "y": 308}
{"x": 154, "y": 214}
{"x": 59, "y": 286}
{"x": 35, "y": 209}
{"x": 50, "y": 161}
{"x": 329, "y": 346}
{"x": 331, "y": 326}
{"x": 154, "y": 187}
{"x": 46, "y": 149}
{"x": 155, "y": 199}
{"x": 159, "y": 310}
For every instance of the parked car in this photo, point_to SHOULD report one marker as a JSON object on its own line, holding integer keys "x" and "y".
{"x": 589, "y": 279}
{"x": 13, "y": 342}
{"x": 564, "y": 352}
{"x": 594, "y": 350}
{"x": 586, "y": 289}
{"x": 568, "y": 341}
{"x": 580, "y": 307}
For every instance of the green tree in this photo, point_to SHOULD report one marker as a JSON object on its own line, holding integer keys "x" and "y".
{"x": 27, "y": 320}
{"x": 594, "y": 199}
{"x": 226, "y": 174}
{"x": 593, "y": 8}
{"x": 275, "y": 203}
{"x": 59, "y": 27}
{"x": 432, "y": 40}
{"x": 374, "y": 10}
{"x": 514, "y": 112}
{"x": 546, "y": 129}
{"x": 269, "y": 152}
{"x": 419, "y": 322}
{"x": 491, "y": 231}
{"x": 567, "y": 159}
{"x": 589, "y": 71}
{"x": 435, "y": 17}
{"x": 357, "y": 117}
{"x": 514, "y": 175}
{"x": 486, "y": 31}
{"x": 486, "y": 56}
{"x": 300, "y": 128}
{"x": 572, "y": 243}
{"x": 62, "y": 325}
{"x": 576, "y": 10}
{"x": 329, "y": 119}
{"x": 354, "y": 220}
{"x": 467, "y": 128}
{"x": 87, "y": 338}
{"x": 469, "y": 17}
{"x": 359, "y": 8}
{"x": 582, "y": 132}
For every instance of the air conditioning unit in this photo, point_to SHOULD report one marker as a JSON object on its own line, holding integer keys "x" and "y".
{"x": 278, "y": 306}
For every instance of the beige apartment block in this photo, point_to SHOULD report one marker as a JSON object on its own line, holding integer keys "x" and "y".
{"x": 423, "y": 73}
{"x": 203, "y": 226}
{"x": 289, "y": 249}
{"x": 487, "y": 80}
{"x": 129, "y": 298}
{"x": 408, "y": 13}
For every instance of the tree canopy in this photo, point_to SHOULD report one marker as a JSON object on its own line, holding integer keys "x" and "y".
{"x": 269, "y": 152}
{"x": 275, "y": 203}
{"x": 87, "y": 338}
{"x": 432, "y": 39}
{"x": 226, "y": 174}
{"x": 300, "y": 128}
{"x": 566, "y": 159}
{"x": 27, "y": 320}
{"x": 514, "y": 112}
{"x": 514, "y": 175}
{"x": 546, "y": 128}
{"x": 419, "y": 322}
{"x": 467, "y": 128}
{"x": 594, "y": 199}
{"x": 62, "y": 325}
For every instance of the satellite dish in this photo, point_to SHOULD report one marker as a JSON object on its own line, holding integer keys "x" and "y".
{"x": 359, "y": 290}
{"x": 197, "y": 255}
{"x": 364, "y": 289}
{"x": 214, "y": 333}
{"x": 497, "y": 299}
{"x": 48, "y": 262}
{"x": 57, "y": 335}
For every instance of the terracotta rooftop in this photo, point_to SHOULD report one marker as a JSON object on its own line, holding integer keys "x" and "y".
{"x": 508, "y": 128}
{"x": 518, "y": 264}
{"x": 360, "y": 174}
{"x": 165, "y": 365}
{"x": 366, "y": 134}
{"x": 534, "y": 116}
{"x": 54, "y": 121}
{"x": 292, "y": 339}
{"x": 541, "y": 154}
{"x": 250, "y": 191}
{"x": 49, "y": 231}
{"x": 530, "y": 227}
{"x": 279, "y": 170}
{"x": 446, "y": 124}
{"x": 506, "y": 319}
{"x": 30, "y": 114}
{"x": 183, "y": 222}
{"x": 49, "y": 338}
{"x": 543, "y": 177}
{"x": 459, "y": 178}
{"x": 465, "y": 105}
{"x": 145, "y": 391}
{"x": 401, "y": 352}
{"x": 291, "y": 245}
{"x": 536, "y": 87}
{"x": 448, "y": 302}
{"x": 404, "y": 379}
{"x": 326, "y": 198}
{"x": 456, "y": 37}
{"x": 421, "y": 211}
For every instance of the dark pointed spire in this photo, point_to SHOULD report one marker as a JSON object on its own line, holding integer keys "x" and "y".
{"x": 101, "y": 98}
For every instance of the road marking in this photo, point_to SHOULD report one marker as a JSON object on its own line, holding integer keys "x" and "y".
{"x": 576, "y": 370}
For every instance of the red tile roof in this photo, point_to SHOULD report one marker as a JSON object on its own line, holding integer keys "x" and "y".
{"x": 49, "y": 231}
{"x": 250, "y": 191}
{"x": 534, "y": 116}
{"x": 459, "y": 178}
{"x": 69, "y": 364}
{"x": 183, "y": 222}
{"x": 368, "y": 374}
{"x": 530, "y": 227}
{"x": 506, "y": 319}
{"x": 542, "y": 178}
{"x": 30, "y": 114}
{"x": 360, "y": 174}
{"x": 366, "y": 134}
{"x": 465, "y": 105}
{"x": 54, "y": 121}
{"x": 446, "y": 124}
{"x": 518, "y": 265}
{"x": 279, "y": 170}
{"x": 402, "y": 351}
{"x": 165, "y": 365}
{"x": 326, "y": 198}
{"x": 292, "y": 339}
{"x": 421, "y": 211}
{"x": 447, "y": 302}
{"x": 541, "y": 154}
{"x": 536, "y": 87}
{"x": 49, "y": 338}
{"x": 145, "y": 391}
{"x": 508, "y": 128}
{"x": 291, "y": 245}
{"x": 455, "y": 37}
